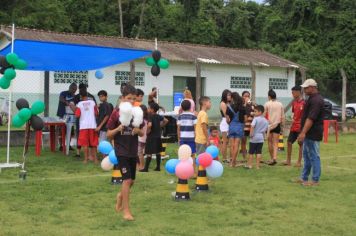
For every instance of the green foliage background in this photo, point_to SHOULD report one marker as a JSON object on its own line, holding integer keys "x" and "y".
{"x": 319, "y": 34}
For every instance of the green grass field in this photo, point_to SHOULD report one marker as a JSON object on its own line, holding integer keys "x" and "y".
{"x": 61, "y": 196}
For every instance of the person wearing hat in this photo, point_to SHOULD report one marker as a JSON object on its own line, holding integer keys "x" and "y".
{"x": 311, "y": 133}
{"x": 297, "y": 110}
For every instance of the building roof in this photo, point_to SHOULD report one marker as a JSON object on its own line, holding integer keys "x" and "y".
{"x": 173, "y": 51}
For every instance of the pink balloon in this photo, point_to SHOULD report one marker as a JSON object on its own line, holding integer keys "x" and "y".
{"x": 205, "y": 159}
{"x": 184, "y": 170}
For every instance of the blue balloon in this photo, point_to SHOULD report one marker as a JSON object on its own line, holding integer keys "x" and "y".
{"x": 105, "y": 147}
{"x": 99, "y": 74}
{"x": 215, "y": 170}
{"x": 213, "y": 151}
{"x": 112, "y": 158}
{"x": 197, "y": 160}
{"x": 171, "y": 166}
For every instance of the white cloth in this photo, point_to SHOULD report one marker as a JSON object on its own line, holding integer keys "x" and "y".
{"x": 224, "y": 126}
{"x": 87, "y": 114}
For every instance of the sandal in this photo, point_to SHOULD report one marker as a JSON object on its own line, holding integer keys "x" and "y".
{"x": 272, "y": 163}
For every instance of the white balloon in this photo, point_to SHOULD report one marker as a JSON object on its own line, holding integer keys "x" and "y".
{"x": 106, "y": 164}
{"x": 137, "y": 116}
{"x": 184, "y": 152}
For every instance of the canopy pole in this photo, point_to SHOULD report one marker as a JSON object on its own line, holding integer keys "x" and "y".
{"x": 9, "y": 102}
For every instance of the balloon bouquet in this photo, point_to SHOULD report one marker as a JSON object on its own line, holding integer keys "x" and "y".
{"x": 183, "y": 169}
{"x": 8, "y": 65}
{"x": 157, "y": 63}
{"x": 28, "y": 116}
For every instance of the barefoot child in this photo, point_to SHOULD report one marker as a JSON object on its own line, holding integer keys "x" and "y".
{"x": 154, "y": 140}
{"x": 214, "y": 136}
{"x": 87, "y": 111}
{"x": 126, "y": 147}
{"x": 185, "y": 127}
{"x": 105, "y": 110}
{"x": 258, "y": 129}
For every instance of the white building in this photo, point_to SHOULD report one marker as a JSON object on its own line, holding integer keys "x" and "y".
{"x": 221, "y": 68}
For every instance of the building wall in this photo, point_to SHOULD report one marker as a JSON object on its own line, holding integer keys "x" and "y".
{"x": 30, "y": 84}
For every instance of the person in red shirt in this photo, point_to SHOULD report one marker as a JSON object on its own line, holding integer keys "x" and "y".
{"x": 297, "y": 109}
{"x": 214, "y": 138}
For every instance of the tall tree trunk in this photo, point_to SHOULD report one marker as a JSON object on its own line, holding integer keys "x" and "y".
{"x": 141, "y": 19}
{"x": 120, "y": 15}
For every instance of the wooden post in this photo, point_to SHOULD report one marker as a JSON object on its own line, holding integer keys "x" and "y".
{"x": 132, "y": 73}
{"x": 343, "y": 102}
{"x": 198, "y": 84}
{"x": 120, "y": 16}
{"x": 253, "y": 82}
{"x": 46, "y": 93}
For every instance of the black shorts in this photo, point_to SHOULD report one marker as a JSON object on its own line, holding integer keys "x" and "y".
{"x": 153, "y": 145}
{"x": 255, "y": 148}
{"x": 247, "y": 133}
{"x": 276, "y": 130}
{"x": 127, "y": 166}
{"x": 293, "y": 136}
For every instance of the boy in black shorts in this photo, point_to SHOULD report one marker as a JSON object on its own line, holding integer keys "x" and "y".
{"x": 126, "y": 149}
{"x": 258, "y": 129}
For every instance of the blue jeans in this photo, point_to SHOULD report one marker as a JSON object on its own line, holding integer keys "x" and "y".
{"x": 311, "y": 158}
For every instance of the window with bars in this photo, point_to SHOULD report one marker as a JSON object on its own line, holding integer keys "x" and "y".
{"x": 240, "y": 82}
{"x": 278, "y": 83}
{"x": 124, "y": 77}
{"x": 63, "y": 77}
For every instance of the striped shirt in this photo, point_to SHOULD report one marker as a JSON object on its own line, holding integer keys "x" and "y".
{"x": 186, "y": 121}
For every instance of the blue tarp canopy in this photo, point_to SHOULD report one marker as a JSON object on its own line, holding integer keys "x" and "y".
{"x": 53, "y": 56}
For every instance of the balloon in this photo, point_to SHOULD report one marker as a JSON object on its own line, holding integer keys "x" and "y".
{"x": 163, "y": 63}
{"x": 205, "y": 159}
{"x": 171, "y": 166}
{"x": 197, "y": 160}
{"x": 105, "y": 147}
{"x": 36, "y": 123}
{"x": 184, "y": 152}
{"x": 20, "y": 64}
{"x": 156, "y": 55}
{"x": 4, "y": 83}
{"x": 215, "y": 170}
{"x": 106, "y": 164}
{"x": 155, "y": 70}
{"x": 10, "y": 74}
{"x": 137, "y": 116}
{"x": 150, "y": 61}
{"x": 3, "y": 64}
{"x": 184, "y": 170}
{"x": 190, "y": 160}
{"x": 17, "y": 121}
{"x": 12, "y": 58}
{"x": 112, "y": 158}
{"x": 213, "y": 151}
{"x": 22, "y": 103}
{"x": 37, "y": 107}
{"x": 99, "y": 74}
{"x": 25, "y": 114}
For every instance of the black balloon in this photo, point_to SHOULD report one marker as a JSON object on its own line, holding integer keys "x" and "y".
{"x": 36, "y": 123}
{"x": 156, "y": 55}
{"x": 155, "y": 70}
{"x": 3, "y": 64}
{"x": 22, "y": 103}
